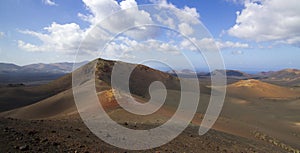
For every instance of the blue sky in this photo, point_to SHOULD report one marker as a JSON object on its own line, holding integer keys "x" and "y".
{"x": 263, "y": 35}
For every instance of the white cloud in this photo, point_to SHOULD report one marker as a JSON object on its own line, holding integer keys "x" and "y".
{"x": 66, "y": 38}
{"x": 128, "y": 4}
{"x": 210, "y": 44}
{"x": 185, "y": 29}
{"x": 128, "y": 18}
{"x": 230, "y": 44}
{"x": 99, "y": 10}
{"x": 150, "y": 45}
{"x": 28, "y": 46}
{"x": 167, "y": 21}
{"x": 191, "y": 11}
{"x": 269, "y": 20}
{"x": 186, "y": 15}
{"x": 49, "y": 2}
{"x": 131, "y": 49}
{"x": 59, "y": 37}
{"x": 104, "y": 8}
{"x": 182, "y": 19}
{"x": 2, "y": 34}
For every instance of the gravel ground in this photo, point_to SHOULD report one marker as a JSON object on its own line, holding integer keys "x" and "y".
{"x": 71, "y": 135}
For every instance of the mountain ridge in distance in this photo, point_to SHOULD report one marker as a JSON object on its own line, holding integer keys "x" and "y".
{"x": 34, "y": 73}
{"x": 285, "y": 77}
{"x": 60, "y": 67}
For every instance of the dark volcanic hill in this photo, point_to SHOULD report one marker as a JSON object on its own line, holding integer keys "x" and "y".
{"x": 140, "y": 78}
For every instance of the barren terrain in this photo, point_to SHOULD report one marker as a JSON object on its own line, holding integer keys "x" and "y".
{"x": 256, "y": 117}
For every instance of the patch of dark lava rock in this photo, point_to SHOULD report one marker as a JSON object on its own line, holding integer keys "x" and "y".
{"x": 71, "y": 135}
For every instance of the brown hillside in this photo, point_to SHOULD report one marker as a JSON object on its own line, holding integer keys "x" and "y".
{"x": 257, "y": 89}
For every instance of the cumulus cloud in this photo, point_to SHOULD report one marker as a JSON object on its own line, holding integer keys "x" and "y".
{"x": 167, "y": 21}
{"x": 129, "y": 48}
{"x": 209, "y": 44}
{"x": 183, "y": 20}
{"x": 186, "y": 15}
{"x": 58, "y": 37}
{"x": 185, "y": 29}
{"x": 49, "y": 2}
{"x": 128, "y": 18}
{"x": 230, "y": 44}
{"x": 150, "y": 45}
{"x": 67, "y": 37}
{"x": 99, "y": 10}
{"x": 269, "y": 20}
{"x": 28, "y": 46}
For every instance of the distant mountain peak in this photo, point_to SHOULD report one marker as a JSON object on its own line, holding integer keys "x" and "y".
{"x": 291, "y": 71}
{"x": 231, "y": 73}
